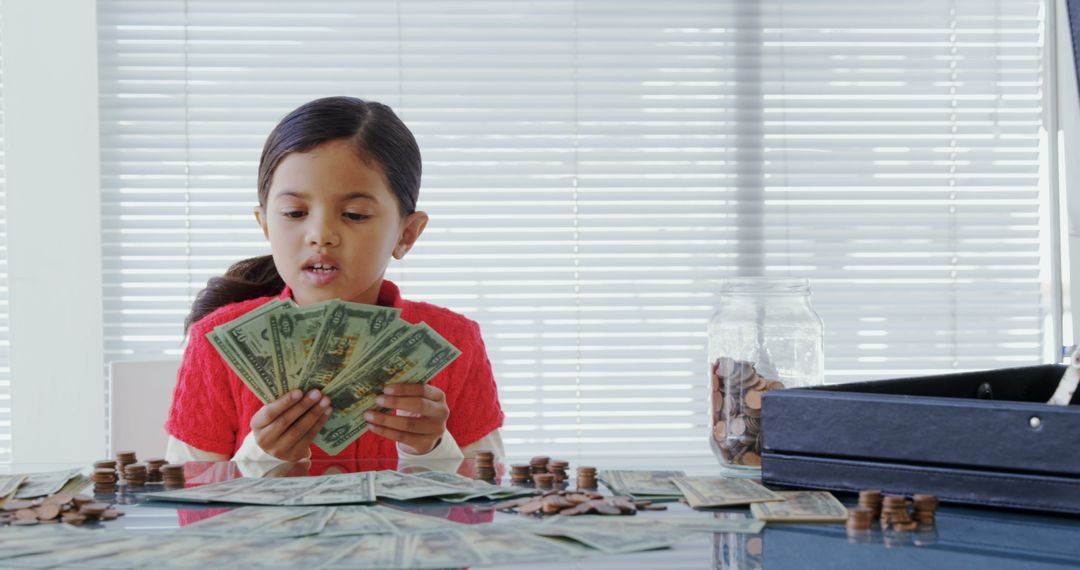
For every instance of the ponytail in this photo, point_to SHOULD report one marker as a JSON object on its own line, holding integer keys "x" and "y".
{"x": 248, "y": 279}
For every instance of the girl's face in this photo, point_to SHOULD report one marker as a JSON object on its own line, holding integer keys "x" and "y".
{"x": 333, "y": 224}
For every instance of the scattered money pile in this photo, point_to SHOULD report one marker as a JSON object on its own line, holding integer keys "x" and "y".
{"x": 322, "y": 490}
{"x": 735, "y": 410}
{"x": 347, "y": 350}
{"x": 349, "y": 488}
{"x": 349, "y": 537}
{"x": 572, "y": 504}
{"x": 34, "y": 485}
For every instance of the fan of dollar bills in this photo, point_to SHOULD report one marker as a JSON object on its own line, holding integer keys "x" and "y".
{"x": 347, "y": 350}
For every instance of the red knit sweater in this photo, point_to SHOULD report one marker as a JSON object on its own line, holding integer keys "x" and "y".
{"x": 212, "y": 408}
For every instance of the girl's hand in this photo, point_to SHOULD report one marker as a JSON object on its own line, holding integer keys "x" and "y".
{"x": 286, "y": 427}
{"x": 421, "y": 419}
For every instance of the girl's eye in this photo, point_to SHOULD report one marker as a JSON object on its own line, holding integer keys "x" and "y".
{"x": 356, "y": 217}
{"x": 293, "y": 214}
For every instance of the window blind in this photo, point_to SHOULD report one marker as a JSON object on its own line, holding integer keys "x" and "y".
{"x": 5, "y": 367}
{"x": 593, "y": 169}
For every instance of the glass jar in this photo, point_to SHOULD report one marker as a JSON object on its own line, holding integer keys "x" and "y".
{"x": 763, "y": 336}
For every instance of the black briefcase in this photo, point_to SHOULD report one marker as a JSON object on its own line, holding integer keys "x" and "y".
{"x": 985, "y": 438}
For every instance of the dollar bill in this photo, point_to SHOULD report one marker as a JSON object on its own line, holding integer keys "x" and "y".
{"x": 224, "y": 553}
{"x": 642, "y": 484}
{"x": 249, "y": 336}
{"x": 414, "y": 359}
{"x": 444, "y": 548}
{"x": 802, "y": 506}
{"x": 205, "y": 493}
{"x": 472, "y": 488}
{"x": 372, "y": 551}
{"x": 503, "y": 544}
{"x": 355, "y": 520}
{"x": 405, "y": 522}
{"x": 351, "y": 488}
{"x": 9, "y": 484}
{"x": 249, "y": 377}
{"x": 66, "y": 555}
{"x": 346, "y": 330}
{"x": 243, "y": 521}
{"x": 402, "y": 487}
{"x": 293, "y": 331}
{"x": 300, "y": 553}
{"x": 597, "y": 532}
{"x": 712, "y": 492}
{"x": 307, "y": 524}
{"x": 43, "y": 484}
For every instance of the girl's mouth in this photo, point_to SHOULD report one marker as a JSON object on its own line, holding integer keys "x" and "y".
{"x": 320, "y": 273}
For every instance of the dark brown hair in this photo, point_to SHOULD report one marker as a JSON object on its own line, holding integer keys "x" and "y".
{"x": 381, "y": 140}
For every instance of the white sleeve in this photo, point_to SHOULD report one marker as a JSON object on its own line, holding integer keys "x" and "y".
{"x": 447, "y": 448}
{"x": 251, "y": 459}
{"x": 490, "y": 442}
{"x": 180, "y": 452}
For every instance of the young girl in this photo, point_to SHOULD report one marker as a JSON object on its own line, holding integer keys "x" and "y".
{"x": 338, "y": 184}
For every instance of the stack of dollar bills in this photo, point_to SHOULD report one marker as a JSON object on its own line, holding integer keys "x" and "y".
{"x": 349, "y": 351}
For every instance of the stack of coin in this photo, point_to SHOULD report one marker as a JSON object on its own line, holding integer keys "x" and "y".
{"x": 860, "y": 518}
{"x": 871, "y": 499}
{"x": 104, "y": 480}
{"x": 521, "y": 474}
{"x": 570, "y": 504}
{"x": 153, "y": 470}
{"x": 123, "y": 459}
{"x": 586, "y": 477}
{"x": 737, "y": 391}
{"x": 558, "y": 469}
{"x": 544, "y": 480}
{"x": 925, "y": 509}
{"x": 539, "y": 464}
{"x": 484, "y": 461}
{"x": 105, "y": 464}
{"x": 894, "y": 513}
{"x": 173, "y": 475}
{"x": 135, "y": 474}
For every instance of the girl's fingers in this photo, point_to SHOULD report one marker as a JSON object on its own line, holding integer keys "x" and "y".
{"x": 404, "y": 424}
{"x": 426, "y": 391}
{"x": 414, "y": 405}
{"x": 296, "y": 432}
{"x": 301, "y": 447}
{"x": 271, "y": 411}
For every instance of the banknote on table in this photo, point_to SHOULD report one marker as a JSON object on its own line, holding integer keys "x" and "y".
{"x": 414, "y": 359}
{"x": 244, "y": 521}
{"x": 403, "y": 487}
{"x": 8, "y": 485}
{"x": 62, "y": 557}
{"x": 308, "y": 552}
{"x": 643, "y": 485}
{"x": 802, "y": 507}
{"x": 347, "y": 488}
{"x": 43, "y": 484}
{"x": 504, "y": 544}
{"x": 224, "y": 553}
{"x": 405, "y": 522}
{"x": 475, "y": 488}
{"x": 373, "y": 551}
{"x": 600, "y": 533}
{"x": 356, "y": 520}
{"x": 211, "y": 492}
{"x": 712, "y": 492}
{"x": 443, "y": 548}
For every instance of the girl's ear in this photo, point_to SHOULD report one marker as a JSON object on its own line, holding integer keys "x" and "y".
{"x": 260, "y": 216}
{"x": 412, "y": 227}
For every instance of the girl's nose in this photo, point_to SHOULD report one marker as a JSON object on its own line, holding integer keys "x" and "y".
{"x": 321, "y": 234}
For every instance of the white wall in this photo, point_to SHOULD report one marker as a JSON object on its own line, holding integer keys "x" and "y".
{"x": 50, "y": 99}
{"x": 1068, "y": 108}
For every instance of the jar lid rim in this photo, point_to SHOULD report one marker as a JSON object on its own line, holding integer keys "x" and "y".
{"x": 765, "y": 284}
